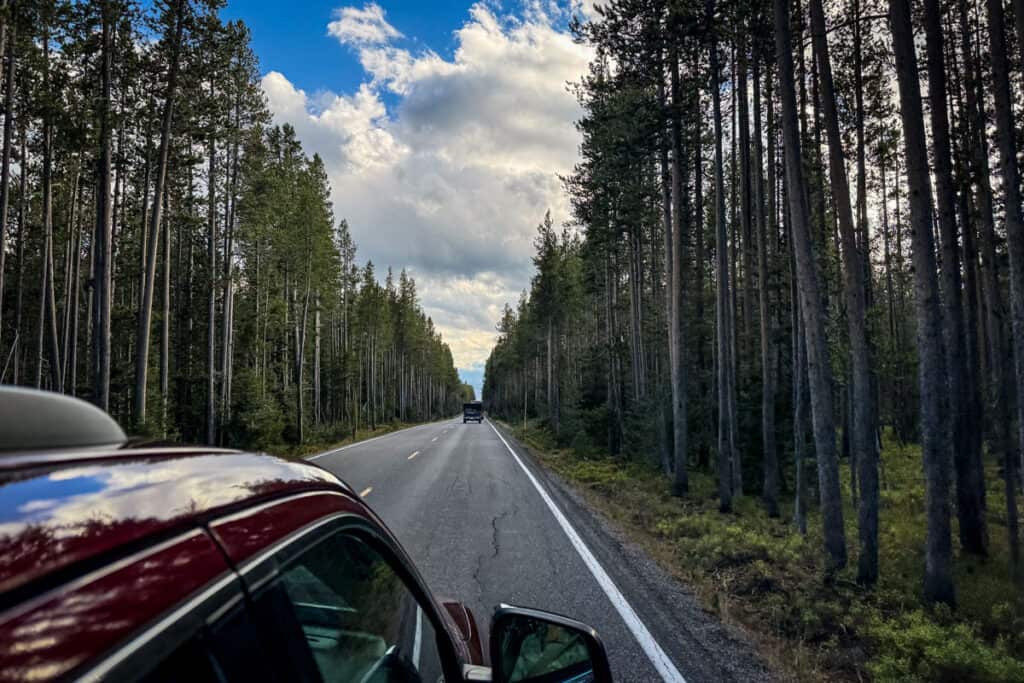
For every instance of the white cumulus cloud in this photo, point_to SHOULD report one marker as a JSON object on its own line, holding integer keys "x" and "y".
{"x": 366, "y": 26}
{"x": 452, "y": 179}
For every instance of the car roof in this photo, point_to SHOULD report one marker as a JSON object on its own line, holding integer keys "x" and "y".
{"x": 63, "y": 512}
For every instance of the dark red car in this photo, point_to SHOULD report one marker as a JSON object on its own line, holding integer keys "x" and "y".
{"x": 200, "y": 564}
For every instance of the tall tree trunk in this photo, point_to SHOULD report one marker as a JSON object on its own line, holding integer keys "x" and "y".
{"x": 666, "y": 221}
{"x": 71, "y": 258}
{"x": 227, "y": 294}
{"x": 970, "y": 510}
{"x": 1007, "y": 143}
{"x": 165, "y": 327}
{"x": 211, "y": 296}
{"x": 970, "y": 474}
{"x": 746, "y": 201}
{"x": 722, "y": 308}
{"x": 677, "y": 333}
{"x": 861, "y": 394}
{"x": 819, "y": 370}
{"x": 799, "y": 393}
{"x": 5, "y": 164}
{"x": 49, "y": 300}
{"x": 1015, "y": 241}
{"x": 153, "y": 239}
{"x": 316, "y": 359}
{"x": 72, "y": 353}
{"x": 18, "y": 344}
{"x": 935, "y": 442}
{"x": 144, "y": 223}
{"x": 703, "y": 447}
{"x": 770, "y": 490}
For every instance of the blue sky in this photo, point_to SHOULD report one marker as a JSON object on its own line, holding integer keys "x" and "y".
{"x": 292, "y": 38}
{"x": 444, "y": 127}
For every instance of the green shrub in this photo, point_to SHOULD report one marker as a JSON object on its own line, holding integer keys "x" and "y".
{"x": 917, "y": 646}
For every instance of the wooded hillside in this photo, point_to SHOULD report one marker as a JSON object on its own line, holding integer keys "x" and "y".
{"x": 168, "y": 254}
{"x": 793, "y": 234}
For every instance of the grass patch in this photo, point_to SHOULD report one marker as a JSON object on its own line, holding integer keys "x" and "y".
{"x": 760, "y": 574}
{"x": 320, "y": 442}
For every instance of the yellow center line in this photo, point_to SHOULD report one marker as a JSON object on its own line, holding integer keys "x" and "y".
{"x": 413, "y": 455}
{"x": 366, "y": 492}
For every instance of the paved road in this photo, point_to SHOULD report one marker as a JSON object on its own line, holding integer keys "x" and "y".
{"x": 485, "y": 526}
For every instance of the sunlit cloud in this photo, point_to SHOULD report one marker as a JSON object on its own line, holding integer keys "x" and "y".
{"x": 445, "y": 166}
{"x": 366, "y": 26}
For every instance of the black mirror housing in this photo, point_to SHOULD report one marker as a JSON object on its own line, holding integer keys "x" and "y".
{"x": 533, "y": 646}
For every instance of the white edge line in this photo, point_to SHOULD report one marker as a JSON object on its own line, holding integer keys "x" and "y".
{"x": 658, "y": 658}
{"x": 418, "y": 639}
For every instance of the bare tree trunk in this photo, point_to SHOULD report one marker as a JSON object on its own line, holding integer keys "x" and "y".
{"x": 746, "y": 201}
{"x": 722, "y": 308}
{"x": 969, "y": 505}
{"x": 72, "y": 353}
{"x": 227, "y": 295}
{"x": 18, "y": 343}
{"x": 819, "y": 370}
{"x": 316, "y": 359}
{"x": 677, "y": 332}
{"x": 1006, "y": 141}
{"x": 975, "y": 148}
{"x": 1015, "y": 240}
{"x": 703, "y": 447}
{"x": 70, "y": 260}
{"x": 165, "y": 327}
{"x": 144, "y": 223}
{"x": 799, "y": 395}
{"x": 211, "y": 299}
{"x": 300, "y": 347}
{"x": 938, "y": 584}
{"x": 153, "y": 239}
{"x": 5, "y": 164}
{"x": 861, "y": 394}
{"x": 49, "y": 300}
{"x": 665, "y": 141}
{"x": 770, "y": 491}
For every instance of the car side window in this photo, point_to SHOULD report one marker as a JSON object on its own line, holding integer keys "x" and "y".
{"x": 342, "y": 613}
{"x": 224, "y": 652}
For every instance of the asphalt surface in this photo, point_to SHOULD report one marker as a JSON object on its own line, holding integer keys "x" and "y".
{"x": 471, "y": 516}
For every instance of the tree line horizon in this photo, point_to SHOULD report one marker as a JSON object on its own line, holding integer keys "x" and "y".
{"x": 169, "y": 254}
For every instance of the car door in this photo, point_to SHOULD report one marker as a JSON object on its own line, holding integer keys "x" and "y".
{"x": 336, "y": 602}
{"x": 189, "y": 606}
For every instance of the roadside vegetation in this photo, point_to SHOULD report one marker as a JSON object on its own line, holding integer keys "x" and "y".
{"x": 792, "y": 285}
{"x": 319, "y": 441}
{"x": 761, "y": 574}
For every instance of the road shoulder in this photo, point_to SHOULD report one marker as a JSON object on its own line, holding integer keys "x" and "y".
{"x": 702, "y": 647}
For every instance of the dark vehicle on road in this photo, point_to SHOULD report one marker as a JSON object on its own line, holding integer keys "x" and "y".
{"x": 473, "y": 412}
{"x": 121, "y": 561}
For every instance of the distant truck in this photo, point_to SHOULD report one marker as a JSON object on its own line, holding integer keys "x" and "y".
{"x": 473, "y": 412}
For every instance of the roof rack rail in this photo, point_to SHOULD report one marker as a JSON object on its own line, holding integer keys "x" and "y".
{"x": 33, "y": 420}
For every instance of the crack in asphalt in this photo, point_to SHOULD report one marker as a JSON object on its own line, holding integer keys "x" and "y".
{"x": 495, "y": 545}
{"x": 454, "y": 482}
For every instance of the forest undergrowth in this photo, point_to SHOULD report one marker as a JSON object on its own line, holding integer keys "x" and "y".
{"x": 760, "y": 574}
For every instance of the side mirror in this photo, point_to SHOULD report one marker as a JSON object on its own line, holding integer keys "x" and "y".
{"x": 531, "y": 646}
